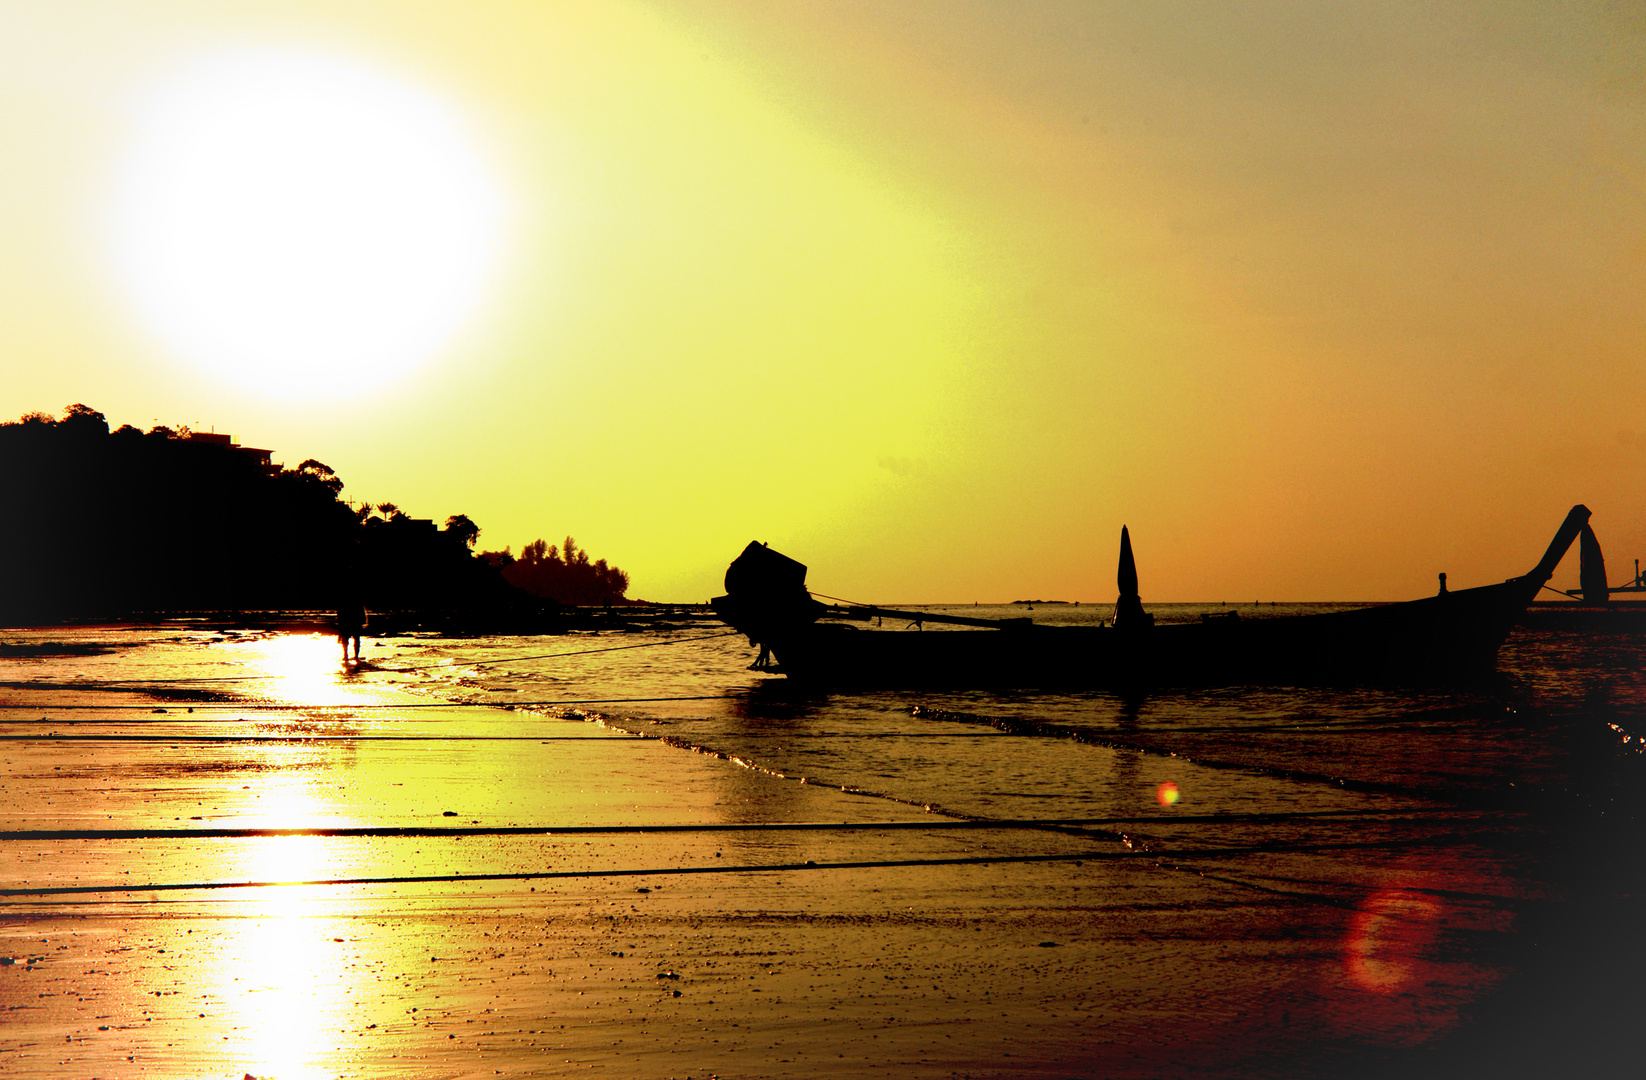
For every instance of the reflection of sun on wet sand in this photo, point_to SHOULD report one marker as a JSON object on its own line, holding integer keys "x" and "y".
{"x": 276, "y": 974}
{"x": 302, "y": 669}
{"x": 301, "y": 980}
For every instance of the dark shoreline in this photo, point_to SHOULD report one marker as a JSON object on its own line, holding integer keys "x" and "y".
{"x": 628, "y": 617}
{"x": 1627, "y": 616}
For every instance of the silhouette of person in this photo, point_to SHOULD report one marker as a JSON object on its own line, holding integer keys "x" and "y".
{"x": 351, "y": 623}
{"x": 1442, "y": 585}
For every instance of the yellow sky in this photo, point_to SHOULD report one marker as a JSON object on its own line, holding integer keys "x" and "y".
{"x": 1319, "y": 301}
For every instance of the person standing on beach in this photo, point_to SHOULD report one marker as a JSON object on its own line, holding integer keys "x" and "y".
{"x": 351, "y": 623}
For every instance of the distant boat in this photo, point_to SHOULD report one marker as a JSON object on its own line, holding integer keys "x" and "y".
{"x": 1437, "y": 637}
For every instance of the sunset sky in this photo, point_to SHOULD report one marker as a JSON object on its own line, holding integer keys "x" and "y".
{"x": 1318, "y": 299}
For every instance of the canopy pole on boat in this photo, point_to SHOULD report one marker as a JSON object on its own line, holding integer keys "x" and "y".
{"x": 1591, "y": 575}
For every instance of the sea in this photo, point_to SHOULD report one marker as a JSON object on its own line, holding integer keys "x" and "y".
{"x": 1559, "y": 724}
{"x": 1468, "y": 856}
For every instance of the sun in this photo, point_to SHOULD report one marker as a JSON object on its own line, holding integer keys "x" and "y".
{"x": 302, "y": 225}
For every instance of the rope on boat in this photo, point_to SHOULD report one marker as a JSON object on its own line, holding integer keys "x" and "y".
{"x": 578, "y": 652}
{"x": 838, "y": 599}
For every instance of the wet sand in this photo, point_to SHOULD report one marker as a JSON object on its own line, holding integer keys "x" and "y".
{"x": 480, "y": 892}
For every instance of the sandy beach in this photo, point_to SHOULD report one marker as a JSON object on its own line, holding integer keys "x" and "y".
{"x": 318, "y": 875}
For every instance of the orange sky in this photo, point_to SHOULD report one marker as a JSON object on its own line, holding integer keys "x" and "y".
{"x": 934, "y": 297}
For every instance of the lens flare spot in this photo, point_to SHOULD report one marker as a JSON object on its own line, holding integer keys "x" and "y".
{"x": 1166, "y": 794}
{"x": 1389, "y": 939}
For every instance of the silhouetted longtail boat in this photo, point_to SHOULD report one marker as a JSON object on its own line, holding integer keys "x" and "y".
{"x": 1450, "y": 634}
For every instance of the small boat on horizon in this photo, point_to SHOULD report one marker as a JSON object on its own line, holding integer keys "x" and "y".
{"x": 1448, "y": 635}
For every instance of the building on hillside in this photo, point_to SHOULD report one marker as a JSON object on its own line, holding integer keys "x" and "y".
{"x": 264, "y": 458}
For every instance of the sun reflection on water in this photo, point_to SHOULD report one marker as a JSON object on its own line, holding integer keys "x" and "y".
{"x": 304, "y": 669}
{"x": 288, "y": 964}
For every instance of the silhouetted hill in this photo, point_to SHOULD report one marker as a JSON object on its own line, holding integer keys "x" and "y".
{"x": 103, "y": 524}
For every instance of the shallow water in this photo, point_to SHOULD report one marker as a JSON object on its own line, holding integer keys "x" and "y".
{"x": 1236, "y": 881}
{"x": 1546, "y": 726}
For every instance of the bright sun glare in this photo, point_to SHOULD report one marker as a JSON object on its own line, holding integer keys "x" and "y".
{"x": 302, "y": 225}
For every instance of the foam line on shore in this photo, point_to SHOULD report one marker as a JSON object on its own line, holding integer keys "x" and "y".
{"x": 1108, "y": 739}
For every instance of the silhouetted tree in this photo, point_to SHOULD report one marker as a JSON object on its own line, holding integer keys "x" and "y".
{"x": 566, "y": 577}
{"x": 461, "y": 529}
{"x": 105, "y": 524}
{"x": 322, "y": 472}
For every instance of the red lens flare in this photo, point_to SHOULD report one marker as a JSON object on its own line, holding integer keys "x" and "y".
{"x": 1389, "y": 937}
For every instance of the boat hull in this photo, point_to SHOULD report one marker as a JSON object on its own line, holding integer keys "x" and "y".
{"x": 1451, "y": 635}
